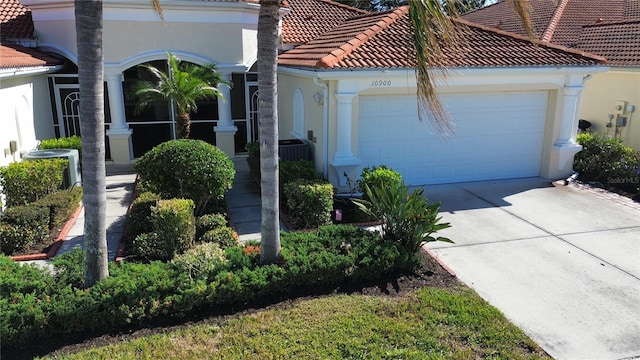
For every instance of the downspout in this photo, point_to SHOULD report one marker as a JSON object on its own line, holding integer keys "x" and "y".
{"x": 325, "y": 125}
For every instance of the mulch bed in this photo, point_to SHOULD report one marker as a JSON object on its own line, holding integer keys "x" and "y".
{"x": 431, "y": 273}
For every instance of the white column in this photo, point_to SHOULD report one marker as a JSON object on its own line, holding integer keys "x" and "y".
{"x": 343, "y": 160}
{"x": 225, "y": 130}
{"x": 224, "y": 105}
{"x": 344, "y": 113}
{"x": 116, "y": 102}
{"x": 119, "y": 133}
{"x": 569, "y": 120}
{"x": 565, "y": 147}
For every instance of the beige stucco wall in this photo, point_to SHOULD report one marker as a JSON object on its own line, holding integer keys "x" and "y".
{"x": 599, "y": 99}
{"x": 220, "y": 32}
{"x": 26, "y": 114}
{"x": 313, "y": 113}
{"x": 220, "y": 42}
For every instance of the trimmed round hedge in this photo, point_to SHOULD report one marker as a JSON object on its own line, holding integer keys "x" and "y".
{"x": 185, "y": 168}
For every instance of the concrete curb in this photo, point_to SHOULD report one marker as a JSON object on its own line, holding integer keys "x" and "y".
{"x": 435, "y": 256}
{"x": 56, "y": 244}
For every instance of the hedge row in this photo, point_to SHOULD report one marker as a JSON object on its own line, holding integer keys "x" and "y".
{"x": 23, "y": 226}
{"x": 35, "y": 303}
{"x": 27, "y": 181}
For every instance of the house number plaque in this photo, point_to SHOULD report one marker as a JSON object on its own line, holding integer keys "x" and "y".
{"x": 379, "y": 83}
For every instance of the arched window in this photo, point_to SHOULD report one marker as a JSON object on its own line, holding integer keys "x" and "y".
{"x": 298, "y": 115}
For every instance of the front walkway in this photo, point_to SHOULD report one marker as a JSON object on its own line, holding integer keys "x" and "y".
{"x": 244, "y": 204}
{"x": 120, "y": 182}
{"x": 561, "y": 263}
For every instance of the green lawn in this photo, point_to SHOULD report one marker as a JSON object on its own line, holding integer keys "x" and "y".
{"x": 452, "y": 323}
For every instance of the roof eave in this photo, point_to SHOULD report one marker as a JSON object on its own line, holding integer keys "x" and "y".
{"x": 339, "y": 74}
{"x": 18, "y": 71}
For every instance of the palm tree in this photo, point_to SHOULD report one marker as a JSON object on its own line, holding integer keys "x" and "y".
{"x": 91, "y": 110}
{"x": 184, "y": 84}
{"x": 268, "y": 109}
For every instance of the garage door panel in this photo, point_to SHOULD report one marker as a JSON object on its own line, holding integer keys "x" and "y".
{"x": 496, "y": 136}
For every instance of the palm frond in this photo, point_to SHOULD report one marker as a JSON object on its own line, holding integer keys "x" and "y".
{"x": 433, "y": 31}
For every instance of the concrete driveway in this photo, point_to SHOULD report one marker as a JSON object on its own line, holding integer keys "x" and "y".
{"x": 561, "y": 263}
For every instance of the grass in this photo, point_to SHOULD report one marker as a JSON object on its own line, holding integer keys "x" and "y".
{"x": 430, "y": 323}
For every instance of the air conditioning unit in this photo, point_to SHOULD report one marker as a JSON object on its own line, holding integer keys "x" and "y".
{"x": 72, "y": 175}
{"x": 293, "y": 150}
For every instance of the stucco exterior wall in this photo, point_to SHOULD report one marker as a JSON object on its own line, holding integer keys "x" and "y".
{"x": 221, "y": 42}
{"x": 220, "y": 32}
{"x": 312, "y": 113}
{"x": 26, "y": 114}
{"x": 599, "y": 99}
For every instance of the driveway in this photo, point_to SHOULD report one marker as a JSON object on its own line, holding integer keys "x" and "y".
{"x": 561, "y": 263}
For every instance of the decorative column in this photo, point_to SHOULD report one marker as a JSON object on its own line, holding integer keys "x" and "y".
{"x": 569, "y": 121}
{"x": 225, "y": 130}
{"x": 343, "y": 160}
{"x": 565, "y": 146}
{"x": 119, "y": 133}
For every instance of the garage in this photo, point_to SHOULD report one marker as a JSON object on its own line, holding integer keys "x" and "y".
{"x": 497, "y": 136}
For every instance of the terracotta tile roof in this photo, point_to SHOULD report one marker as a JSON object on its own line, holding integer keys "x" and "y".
{"x": 15, "y": 56}
{"x": 310, "y": 18}
{"x": 15, "y": 20}
{"x": 583, "y": 24}
{"x": 381, "y": 41}
{"x": 557, "y": 21}
{"x": 618, "y": 42}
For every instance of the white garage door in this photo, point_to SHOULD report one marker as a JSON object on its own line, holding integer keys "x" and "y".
{"x": 497, "y": 136}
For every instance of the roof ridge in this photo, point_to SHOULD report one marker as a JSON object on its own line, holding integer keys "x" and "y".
{"x": 335, "y": 56}
{"x": 335, "y": 3}
{"x": 555, "y": 20}
{"x": 542, "y": 43}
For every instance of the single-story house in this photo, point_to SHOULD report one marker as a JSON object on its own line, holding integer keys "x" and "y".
{"x": 610, "y": 29}
{"x": 346, "y": 85}
{"x": 513, "y": 103}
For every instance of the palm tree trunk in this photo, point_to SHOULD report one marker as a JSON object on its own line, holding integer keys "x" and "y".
{"x": 268, "y": 126}
{"x": 90, "y": 77}
{"x": 184, "y": 125}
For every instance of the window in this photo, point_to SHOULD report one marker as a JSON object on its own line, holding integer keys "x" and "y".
{"x": 298, "y": 114}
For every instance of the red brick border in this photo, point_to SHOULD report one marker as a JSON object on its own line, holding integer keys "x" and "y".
{"x": 56, "y": 244}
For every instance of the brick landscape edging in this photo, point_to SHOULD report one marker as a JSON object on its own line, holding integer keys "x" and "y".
{"x": 56, "y": 244}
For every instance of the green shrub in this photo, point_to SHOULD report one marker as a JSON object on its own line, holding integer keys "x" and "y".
{"x": 70, "y": 268}
{"x": 223, "y": 236}
{"x": 201, "y": 262}
{"x": 72, "y": 142}
{"x": 139, "y": 216}
{"x": 61, "y": 205}
{"x": 309, "y": 203}
{"x": 173, "y": 219}
{"x": 295, "y": 170}
{"x": 253, "y": 149}
{"x": 190, "y": 169}
{"x": 173, "y": 231}
{"x": 607, "y": 161}
{"x": 209, "y": 222}
{"x": 36, "y": 304}
{"x": 406, "y": 217}
{"x": 148, "y": 247}
{"x": 22, "y": 226}
{"x": 377, "y": 176}
{"x": 27, "y": 181}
